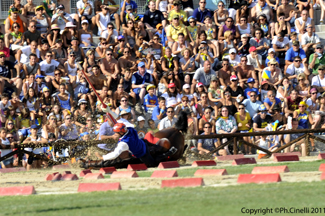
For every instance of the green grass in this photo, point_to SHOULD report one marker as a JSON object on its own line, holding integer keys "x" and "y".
{"x": 178, "y": 201}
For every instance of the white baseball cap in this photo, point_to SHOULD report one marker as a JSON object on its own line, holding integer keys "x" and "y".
{"x": 271, "y": 50}
{"x": 232, "y": 50}
{"x": 186, "y": 86}
{"x": 141, "y": 118}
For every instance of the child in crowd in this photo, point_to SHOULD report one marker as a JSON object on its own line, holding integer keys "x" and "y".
{"x": 150, "y": 100}
{"x": 140, "y": 128}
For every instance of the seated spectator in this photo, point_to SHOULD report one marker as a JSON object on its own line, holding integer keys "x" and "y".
{"x": 225, "y": 73}
{"x": 271, "y": 101}
{"x": 309, "y": 40}
{"x": 226, "y": 125}
{"x": 234, "y": 59}
{"x": 261, "y": 43}
{"x": 254, "y": 59}
{"x": 150, "y": 100}
{"x": 302, "y": 87}
{"x": 252, "y": 105}
{"x": 244, "y": 123}
{"x": 169, "y": 120}
{"x": 304, "y": 117}
{"x": 262, "y": 119}
{"x": 215, "y": 92}
{"x": 159, "y": 112}
{"x": 246, "y": 72}
{"x": 15, "y": 17}
{"x": 153, "y": 17}
{"x": 229, "y": 26}
{"x": 201, "y": 12}
{"x": 6, "y": 76}
{"x": 289, "y": 137}
{"x": 125, "y": 106}
{"x": 283, "y": 25}
{"x": 227, "y": 44}
{"x": 203, "y": 75}
{"x": 230, "y": 103}
{"x": 152, "y": 127}
{"x": 192, "y": 30}
{"x": 284, "y": 89}
{"x": 173, "y": 98}
{"x": 312, "y": 103}
{"x": 61, "y": 18}
{"x": 235, "y": 90}
{"x": 250, "y": 87}
{"x": 293, "y": 52}
{"x": 280, "y": 44}
{"x": 205, "y": 146}
{"x": 140, "y": 80}
{"x": 126, "y": 118}
{"x": 140, "y": 128}
{"x": 276, "y": 74}
{"x": 68, "y": 130}
{"x": 291, "y": 103}
{"x": 6, "y": 148}
{"x": 243, "y": 46}
{"x": 187, "y": 61}
{"x": 318, "y": 81}
{"x": 316, "y": 59}
{"x": 207, "y": 117}
{"x": 296, "y": 68}
{"x": 174, "y": 29}
{"x": 43, "y": 22}
{"x": 177, "y": 11}
{"x": 205, "y": 55}
{"x": 271, "y": 55}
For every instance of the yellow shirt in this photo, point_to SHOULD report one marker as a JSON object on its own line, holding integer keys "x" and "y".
{"x": 182, "y": 15}
{"x": 193, "y": 31}
{"x": 243, "y": 122}
{"x": 173, "y": 31}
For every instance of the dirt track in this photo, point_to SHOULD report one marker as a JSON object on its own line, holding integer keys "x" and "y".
{"x": 37, "y": 179}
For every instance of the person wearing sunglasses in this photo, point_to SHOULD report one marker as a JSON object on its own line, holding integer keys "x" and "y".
{"x": 296, "y": 68}
{"x": 42, "y": 19}
{"x": 221, "y": 14}
{"x": 229, "y": 26}
{"x": 276, "y": 75}
{"x": 262, "y": 119}
{"x": 68, "y": 129}
{"x": 177, "y": 10}
{"x": 15, "y": 39}
{"x": 225, "y": 73}
{"x": 205, "y": 146}
{"x": 15, "y": 17}
{"x": 318, "y": 81}
{"x": 61, "y": 17}
{"x": 175, "y": 28}
{"x": 271, "y": 101}
{"x": 6, "y": 148}
{"x": 169, "y": 120}
{"x": 309, "y": 40}
{"x": 316, "y": 59}
{"x": 201, "y": 12}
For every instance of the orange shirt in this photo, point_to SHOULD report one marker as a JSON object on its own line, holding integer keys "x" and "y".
{"x": 19, "y": 21}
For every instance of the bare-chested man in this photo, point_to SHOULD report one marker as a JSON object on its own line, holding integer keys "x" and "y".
{"x": 109, "y": 67}
{"x": 127, "y": 61}
{"x": 97, "y": 79}
{"x": 290, "y": 12}
{"x": 244, "y": 72}
{"x": 225, "y": 72}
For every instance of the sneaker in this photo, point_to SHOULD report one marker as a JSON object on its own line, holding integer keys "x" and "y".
{"x": 321, "y": 22}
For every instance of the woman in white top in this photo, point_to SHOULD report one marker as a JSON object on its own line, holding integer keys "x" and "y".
{"x": 70, "y": 66}
{"x": 42, "y": 20}
{"x": 179, "y": 45}
{"x": 172, "y": 97}
{"x": 35, "y": 139}
{"x": 85, "y": 36}
{"x": 221, "y": 14}
{"x": 244, "y": 27}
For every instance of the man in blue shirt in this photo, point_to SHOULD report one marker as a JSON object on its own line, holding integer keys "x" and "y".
{"x": 293, "y": 52}
{"x": 271, "y": 101}
{"x": 159, "y": 112}
{"x": 252, "y": 104}
{"x": 140, "y": 80}
{"x": 129, "y": 141}
{"x": 201, "y": 12}
{"x": 250, "y": 88}
{"x": 132, "y": 3}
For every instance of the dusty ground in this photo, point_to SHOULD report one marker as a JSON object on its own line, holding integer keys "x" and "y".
{"x": 37, "y": 178}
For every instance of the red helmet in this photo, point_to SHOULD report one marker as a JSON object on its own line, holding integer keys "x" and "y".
{"x": 119, "y": 127}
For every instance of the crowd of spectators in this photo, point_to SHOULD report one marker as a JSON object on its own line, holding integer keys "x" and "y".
{"x": 243, "y": 67}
